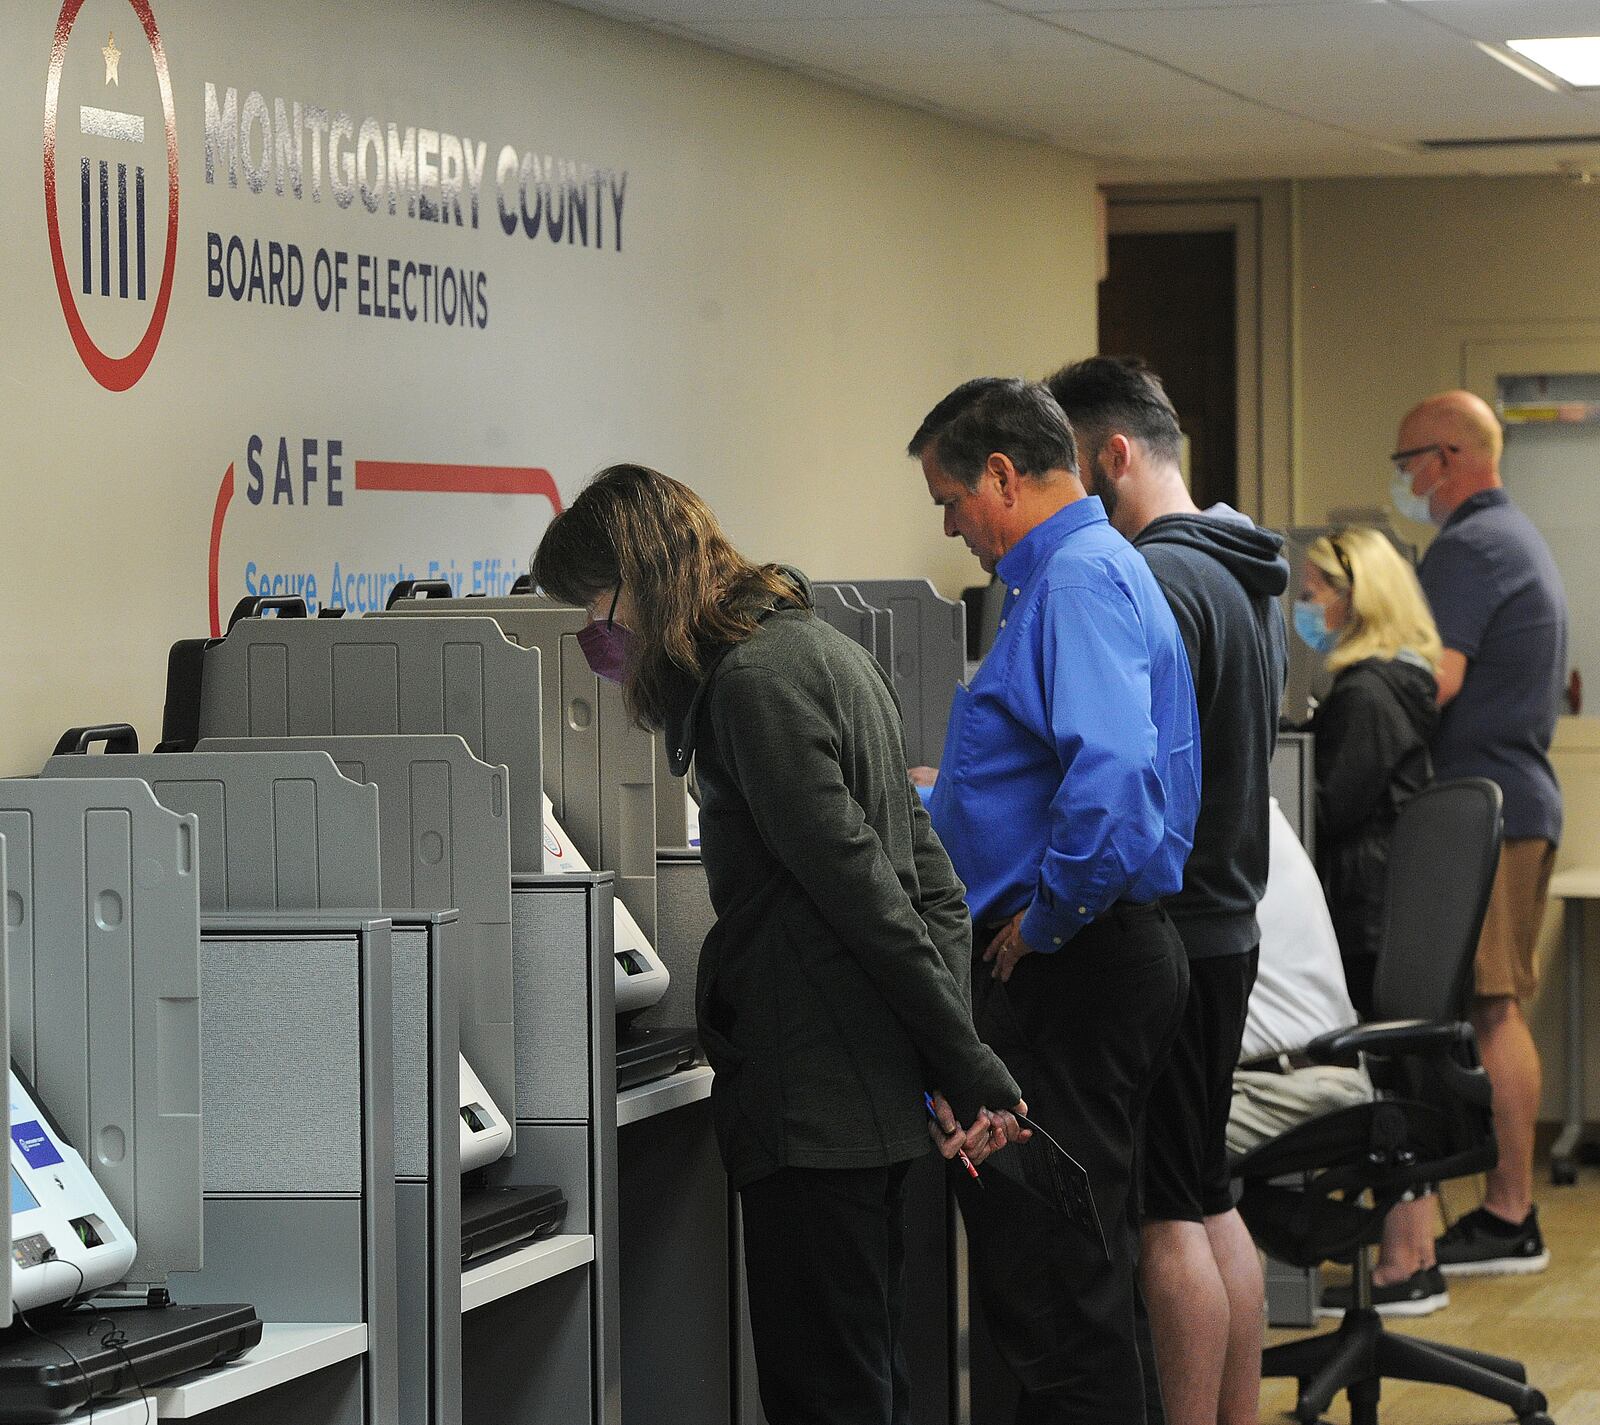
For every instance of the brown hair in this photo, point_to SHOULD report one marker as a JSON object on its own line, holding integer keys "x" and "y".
{"x": 692, "y": 592}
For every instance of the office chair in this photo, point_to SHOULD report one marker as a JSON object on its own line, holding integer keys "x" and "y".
{"x": 1430, "y": 1122}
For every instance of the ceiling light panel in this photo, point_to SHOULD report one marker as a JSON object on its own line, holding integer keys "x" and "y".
{"x": 1575, "y": 60}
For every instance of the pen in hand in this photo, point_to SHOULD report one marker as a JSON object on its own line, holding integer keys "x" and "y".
{"x": 966, "y": 1162}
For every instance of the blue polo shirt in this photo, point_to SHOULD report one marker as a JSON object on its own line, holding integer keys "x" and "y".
{"x": 1497, "y": 598}
{"x": 1071, "y": 770}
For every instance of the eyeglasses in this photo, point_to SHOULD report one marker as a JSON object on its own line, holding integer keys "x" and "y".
{"x": 1401, "y": 458}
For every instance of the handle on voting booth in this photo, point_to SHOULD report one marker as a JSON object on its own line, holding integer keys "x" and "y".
{"x": 118, "y": 737}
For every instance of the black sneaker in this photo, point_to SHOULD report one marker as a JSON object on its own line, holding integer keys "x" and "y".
{"x": 1420, "y": 1294}
{"x": 1484, "y": 1245}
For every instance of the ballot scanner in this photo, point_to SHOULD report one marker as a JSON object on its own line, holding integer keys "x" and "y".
{"x": 638, "y": 974}
{"x": 496, "y": 1217}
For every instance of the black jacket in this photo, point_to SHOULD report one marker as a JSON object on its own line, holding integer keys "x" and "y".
{"x": 1371, "y": 747}
{"x": 1222, "y": 577}
{"x": 834, "y": 987}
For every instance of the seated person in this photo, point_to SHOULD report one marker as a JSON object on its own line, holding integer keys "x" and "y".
{"x": 1300, "y": 993}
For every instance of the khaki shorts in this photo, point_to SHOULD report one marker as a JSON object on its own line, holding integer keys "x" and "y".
{"x": 1267, "y": 1104}
{"x": 1511, "y": 924}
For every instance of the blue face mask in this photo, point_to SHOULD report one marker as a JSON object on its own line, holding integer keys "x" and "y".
{"x": 1407, "y": 505}
{"x": 1311, "y": 623}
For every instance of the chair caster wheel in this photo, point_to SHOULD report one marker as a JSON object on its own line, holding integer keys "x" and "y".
{"x": 1563, "y": 1172}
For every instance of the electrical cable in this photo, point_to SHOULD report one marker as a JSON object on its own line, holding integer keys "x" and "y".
{"x": 114, "y": 1339}
{"x": 61, "y": 1346}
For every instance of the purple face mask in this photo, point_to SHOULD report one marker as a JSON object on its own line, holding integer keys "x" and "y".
{"x": 607, "y": 647}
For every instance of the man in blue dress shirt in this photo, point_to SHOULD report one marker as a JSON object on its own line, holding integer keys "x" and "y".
{"x": 1066, "y": 797}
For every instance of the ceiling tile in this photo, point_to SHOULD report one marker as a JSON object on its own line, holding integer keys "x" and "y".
{"x": 1230, "y": 88}
{"x": 1512, "y": 19}
{"x": 1369, "y": 68}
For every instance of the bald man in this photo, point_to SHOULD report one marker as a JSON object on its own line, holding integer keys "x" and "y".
{"x": 1502, "y": 615}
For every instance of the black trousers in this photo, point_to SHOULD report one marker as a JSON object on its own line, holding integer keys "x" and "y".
{"x": 1085, "y": 1031}
{"x": 824, "y": 1260}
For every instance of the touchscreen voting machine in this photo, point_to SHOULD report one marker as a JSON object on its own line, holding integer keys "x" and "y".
{"x": 66, "y": 1238}
{"x": 87, "y": 1047}
{"x": 67, "y": 1243}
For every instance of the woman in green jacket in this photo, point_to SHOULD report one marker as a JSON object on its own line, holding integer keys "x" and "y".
{"x": 833, "y": 990}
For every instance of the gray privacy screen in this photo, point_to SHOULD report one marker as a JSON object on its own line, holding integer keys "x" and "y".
{"x": 99, "y": 873}
{"x": 377, "y": 677}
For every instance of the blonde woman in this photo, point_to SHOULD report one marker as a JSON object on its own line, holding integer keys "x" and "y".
{"x": 1361, "y": 606}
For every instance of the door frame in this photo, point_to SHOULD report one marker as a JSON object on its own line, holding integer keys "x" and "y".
{"x": 1260, "y": 218}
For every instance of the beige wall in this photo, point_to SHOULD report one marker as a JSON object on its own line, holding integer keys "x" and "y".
{"x": 1404, "y": 287}
{"x": 806, "y": 272}
{"x": 1399, "y": 282}
{"x": 1576, "y": 756}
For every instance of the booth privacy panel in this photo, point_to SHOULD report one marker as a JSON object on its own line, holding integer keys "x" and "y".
{"x": 99, "y": 873}
{"x": 599, "y": 768}
{"x": 930, "y": 641}
{"x": 287, "y": 831}
{"x": 374, "y": 677}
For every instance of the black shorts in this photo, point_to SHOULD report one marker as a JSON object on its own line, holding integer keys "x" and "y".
{"x": 1186, "y": 1152}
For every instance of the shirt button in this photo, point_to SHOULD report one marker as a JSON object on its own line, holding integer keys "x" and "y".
{"x": 1002, "y": 623}
{"x": 1058, "y": 940}
{"x": 1016, "y": 592}
{"x": 1083, "y": 910}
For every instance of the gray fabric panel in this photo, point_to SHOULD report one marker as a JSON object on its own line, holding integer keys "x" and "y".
{"x": 410, "y": 951}
{"x": 528, "y": 1358}
{"x": 415, "y": 1313}
{"x": 930, "y": 649}
{"x": 550, "y": 943}
{"x": 674, "y": 1260}
{"x": 293, "y": 1259}
{"x": 686, "y": 918}
{"x": 556, "y": 1153}
{"x": 444, "y": 828}
{"x": 370, "y": 676}
{"x": 282, "y": 830}
{"x": 99, "y": 873}
{"x": 281, "y": 1051}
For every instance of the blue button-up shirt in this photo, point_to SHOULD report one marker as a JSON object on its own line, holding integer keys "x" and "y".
{"x": 1071, "y": 769}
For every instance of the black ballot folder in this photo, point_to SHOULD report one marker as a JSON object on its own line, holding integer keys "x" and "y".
{"x": 1051, "y": 1175}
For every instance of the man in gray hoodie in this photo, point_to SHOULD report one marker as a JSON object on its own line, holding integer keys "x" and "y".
{"x": 1222, "y": 578}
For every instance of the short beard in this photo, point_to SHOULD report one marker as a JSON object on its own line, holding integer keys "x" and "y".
{"x": 1102, "y": 485}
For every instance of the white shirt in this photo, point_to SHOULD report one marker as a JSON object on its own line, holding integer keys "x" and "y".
{"x": 1300, "y": 990}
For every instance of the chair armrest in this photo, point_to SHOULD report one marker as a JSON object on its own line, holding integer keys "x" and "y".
{"x": 1391, "y": 1037}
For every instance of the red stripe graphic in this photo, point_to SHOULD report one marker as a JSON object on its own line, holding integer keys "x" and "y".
{"x": 413, "y": 477}
{"x": 405, "y": 476}
{"x": 220, "y": 513}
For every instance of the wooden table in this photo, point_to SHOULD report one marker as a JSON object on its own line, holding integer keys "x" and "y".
{"x": 1574, "y": 888}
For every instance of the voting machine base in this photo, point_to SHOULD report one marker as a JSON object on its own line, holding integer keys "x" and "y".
{"x": 644, "y": 1055}
{"x": 493, "y": 1218}
{"x": 89, "y": 1355}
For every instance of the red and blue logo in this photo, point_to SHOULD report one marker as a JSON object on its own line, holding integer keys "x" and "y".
{"x": 123, "y": 255}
